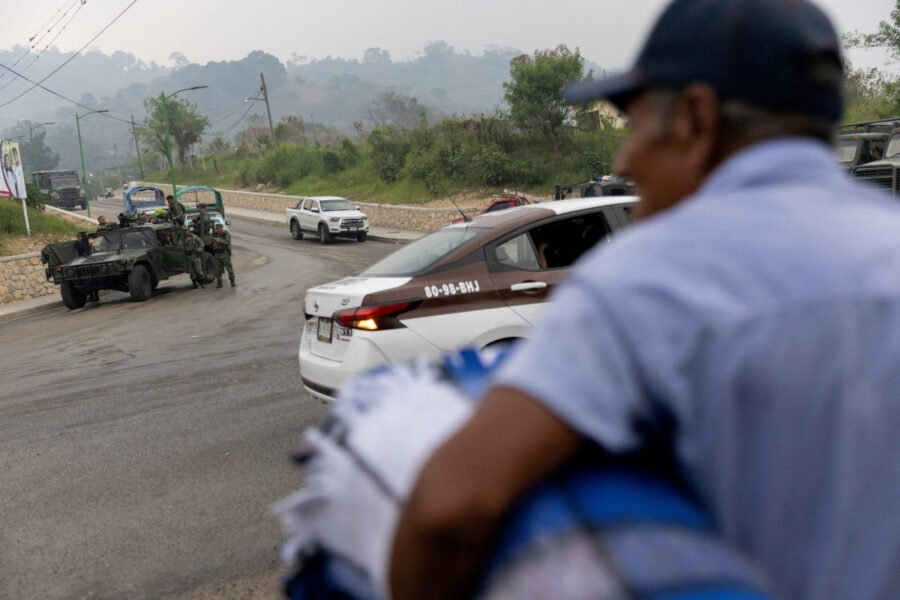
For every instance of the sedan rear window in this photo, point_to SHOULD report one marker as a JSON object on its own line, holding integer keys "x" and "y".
{"x": 423, "y": 253}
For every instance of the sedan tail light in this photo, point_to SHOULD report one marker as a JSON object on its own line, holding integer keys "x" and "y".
{"x": 373, "y": 318}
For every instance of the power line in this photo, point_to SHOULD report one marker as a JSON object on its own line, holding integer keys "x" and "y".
{"x": 238, "y": 122}
{"x": 41, "y": 53}
{"x": 36, "y": 38}
{"x": 70, "y": 59}
{"x": 45, "y": 30}
{"x": 57, "y": 94}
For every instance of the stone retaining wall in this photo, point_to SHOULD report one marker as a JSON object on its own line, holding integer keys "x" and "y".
{"x": 22, "y": 277}
{"x": 410, "y": 218}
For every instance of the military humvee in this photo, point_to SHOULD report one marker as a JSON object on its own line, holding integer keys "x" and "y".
{"x": 131, "y": 258}
{"x": 602, "y": 186}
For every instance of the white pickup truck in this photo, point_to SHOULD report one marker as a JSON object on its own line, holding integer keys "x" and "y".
{"x": 327, "y": 217}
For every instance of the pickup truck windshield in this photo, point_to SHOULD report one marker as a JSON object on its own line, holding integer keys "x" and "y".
{"x": 423, "y": 253}
{"x": 331, "y": 205}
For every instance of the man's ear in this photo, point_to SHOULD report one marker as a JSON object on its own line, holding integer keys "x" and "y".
{"x": 699, "y": 121}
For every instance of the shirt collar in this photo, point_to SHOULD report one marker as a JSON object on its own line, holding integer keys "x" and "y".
{"x": 802, "y": 160}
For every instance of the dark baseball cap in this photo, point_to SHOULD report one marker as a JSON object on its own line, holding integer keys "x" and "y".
{"x": 775, "y": 54}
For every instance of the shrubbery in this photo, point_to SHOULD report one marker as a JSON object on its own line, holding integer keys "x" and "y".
{"x": 535, "y": 145}
{"x": 12, "y": 221}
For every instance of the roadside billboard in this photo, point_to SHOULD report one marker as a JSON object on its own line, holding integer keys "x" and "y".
{"x": 13, "y": 180}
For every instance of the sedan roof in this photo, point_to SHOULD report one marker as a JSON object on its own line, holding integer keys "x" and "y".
{"x": 517, "y": 216}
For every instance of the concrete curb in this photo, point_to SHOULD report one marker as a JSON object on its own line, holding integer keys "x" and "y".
{"x": 25, "y": 311}
{"x": 52, "y": 208}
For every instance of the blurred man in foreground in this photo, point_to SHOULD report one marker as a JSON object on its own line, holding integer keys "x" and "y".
{"x": 749, "y": 326}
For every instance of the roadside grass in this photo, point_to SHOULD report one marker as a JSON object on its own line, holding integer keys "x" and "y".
{"x": 356, "y": 183}
{"x": 12, "y": 224}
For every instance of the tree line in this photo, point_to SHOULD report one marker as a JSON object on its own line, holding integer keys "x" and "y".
{"x": 537, "y": 142}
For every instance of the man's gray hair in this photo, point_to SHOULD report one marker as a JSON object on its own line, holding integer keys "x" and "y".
{"x": 741, "y": 120}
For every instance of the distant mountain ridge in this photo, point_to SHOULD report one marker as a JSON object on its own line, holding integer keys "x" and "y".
{"x": 330, "y": 91}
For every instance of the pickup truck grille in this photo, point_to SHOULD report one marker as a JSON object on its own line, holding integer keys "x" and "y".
{"x": 351, "y": 223}
{"x": 881, "y": 177}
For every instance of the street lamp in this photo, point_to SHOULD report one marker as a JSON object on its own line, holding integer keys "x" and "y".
{"x": 87, "y": 199}
{"x": 162, "y": 99}
{"x": 33, "y": 154}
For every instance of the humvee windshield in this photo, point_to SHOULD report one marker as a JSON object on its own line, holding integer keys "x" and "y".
{"x": 104, "y": 242}
{"x": 893, "y": 148}
{"x": 845, "y": 150}
{"x": 143, "y": 238}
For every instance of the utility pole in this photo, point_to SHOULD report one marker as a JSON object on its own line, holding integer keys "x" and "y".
{"x": 265, "y": 93}
{"x": 137, "y": 148}
{"x": 312, "y": 125}
{"x": 118, "y": 166}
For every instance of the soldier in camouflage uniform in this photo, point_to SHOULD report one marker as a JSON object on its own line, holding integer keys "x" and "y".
{"x": 194, "y": 248}
{"x": 104, "y": 225}
{"x": 176, "y": 210}
{"x": 222, "y": 251}
{"x": 202, "y": 223}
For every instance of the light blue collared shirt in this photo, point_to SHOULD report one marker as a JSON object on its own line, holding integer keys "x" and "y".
{"x": 757, "y": 323}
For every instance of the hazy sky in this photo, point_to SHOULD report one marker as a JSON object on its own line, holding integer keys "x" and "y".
{"x": 608, "y": 32}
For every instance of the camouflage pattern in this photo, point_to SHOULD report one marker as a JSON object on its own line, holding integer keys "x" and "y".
{"x": 176, "y": 212}
{"x": 222, "y": 252}
{"x": 193, "y": 246}
{"x": 202, "y": 224}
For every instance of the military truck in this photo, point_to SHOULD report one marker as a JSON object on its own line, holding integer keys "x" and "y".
{"x": 884, "y": 173}
{"x": 608, "y": 185}
{"x": 861, "y": 143}
{"x": 130, "y": 257}
{"x": 195, "y": 196}
{"x": 62, "y": 188}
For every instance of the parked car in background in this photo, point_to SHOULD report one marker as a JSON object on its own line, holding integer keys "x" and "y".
{"x": 499, "y": 204}
{"x": 607, "y": 185}
{"x": 195, "y": 195}
{"x": 143, "y": 199}
{"x": 475, "y": 283}
{"x": 327, "y": 217}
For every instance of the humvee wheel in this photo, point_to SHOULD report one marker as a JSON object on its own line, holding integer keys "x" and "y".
{"x": 72, "y": 297}
{"x": 209, "y": 267}
{"x": 296, "y": 232}
{"x": 140, "y": 284}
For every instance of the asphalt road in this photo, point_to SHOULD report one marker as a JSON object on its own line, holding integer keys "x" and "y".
{"x": 141, "y": 444}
